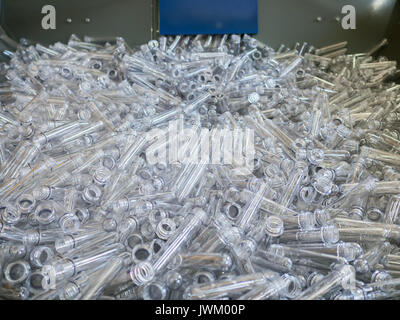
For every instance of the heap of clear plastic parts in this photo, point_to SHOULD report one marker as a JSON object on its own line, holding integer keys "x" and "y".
{"x": 207, "y": 167}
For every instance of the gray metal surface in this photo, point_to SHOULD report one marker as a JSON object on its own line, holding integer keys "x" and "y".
{"x": 292, "y": 21}
{"x": 392, "y": 51}
{"x": 130, "y": 19}
{"x": 280, "y": 21}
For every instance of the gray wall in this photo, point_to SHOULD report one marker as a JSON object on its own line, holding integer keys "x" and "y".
{"x": 130, "y": 19}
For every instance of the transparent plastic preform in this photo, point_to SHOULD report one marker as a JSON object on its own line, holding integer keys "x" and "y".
{"x": 198, "y": 167}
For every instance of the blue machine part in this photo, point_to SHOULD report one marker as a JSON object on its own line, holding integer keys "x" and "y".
{"x": 208, "y": 17}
